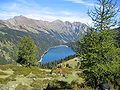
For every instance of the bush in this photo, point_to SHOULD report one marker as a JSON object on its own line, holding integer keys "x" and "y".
{"x": 40, "y": 84}
{"x": 58, "y": 85}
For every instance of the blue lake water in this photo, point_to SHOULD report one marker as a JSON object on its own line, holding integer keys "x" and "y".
{"x": 57, "y": 53}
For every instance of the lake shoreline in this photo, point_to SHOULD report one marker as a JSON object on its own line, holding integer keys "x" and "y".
{"x": 55, "y": 47}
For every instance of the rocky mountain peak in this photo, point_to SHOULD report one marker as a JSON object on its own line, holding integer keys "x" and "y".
{"x": 20, "y": 17}
{"x": 64, "y": 31}
{"x": 57, "y": 21}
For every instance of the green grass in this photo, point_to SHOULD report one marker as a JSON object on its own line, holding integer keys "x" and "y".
{"x": 2, "y": 73}
{"x": 40, "y": 84}
{"x": 35, "y": 77}
{"x": 22, "y": 87}
{"x": 6, "y": 67}
{"x": 27, "y": 70}
{"x": 72, "y": 77}
{"x": 72, "y": 63}
{"x": 22, "y": 71}
{"x": 62, "y": 70}
{"x": 6, "y": 80}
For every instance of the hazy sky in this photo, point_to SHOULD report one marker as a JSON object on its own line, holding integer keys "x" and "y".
{"x": 66, "y": 10}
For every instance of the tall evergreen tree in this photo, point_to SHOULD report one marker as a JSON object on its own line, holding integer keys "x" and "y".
{"x": 27, "y": 51}
{"x": 104, "y": 15}
{"x": 98, "y": 47}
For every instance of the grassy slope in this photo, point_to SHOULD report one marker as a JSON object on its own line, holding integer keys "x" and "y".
{"x": 72, "y": 63}
{"x": 12, "y": 76}
{"x": 73, "y": 76}
{"x": 16, "y": 76}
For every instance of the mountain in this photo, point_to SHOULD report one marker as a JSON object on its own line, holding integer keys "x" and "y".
{"x": 45, "y": 34}
{"x": 63, "y": 31}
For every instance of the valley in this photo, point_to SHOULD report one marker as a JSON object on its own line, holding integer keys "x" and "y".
{"x": 45, "y": 34}
{"x": 52, "y": 37}
{"x": 59, "y": 45}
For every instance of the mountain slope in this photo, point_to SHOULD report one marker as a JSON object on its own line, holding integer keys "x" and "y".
{"x": 45, "y": 34}
{"x": 9, "y": 39}
{"x": 63, "y": 31}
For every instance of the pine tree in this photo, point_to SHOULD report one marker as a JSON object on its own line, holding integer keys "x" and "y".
{"x": 98, "y": 47}
{"x": 104, "y": 15}
{"x": 27, "y": 51}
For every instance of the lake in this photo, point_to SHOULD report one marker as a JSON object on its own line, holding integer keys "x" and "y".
{"x": 57, "y": 53}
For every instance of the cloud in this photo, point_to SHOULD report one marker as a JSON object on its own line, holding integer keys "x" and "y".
{"x": 83, "y": 2}
{"x": 32, "y": 10}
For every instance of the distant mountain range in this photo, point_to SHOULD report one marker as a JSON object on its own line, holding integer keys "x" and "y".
{"x": 45, "y": 34}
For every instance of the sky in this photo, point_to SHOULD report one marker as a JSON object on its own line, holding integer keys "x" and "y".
{"x": 48, "y": 10}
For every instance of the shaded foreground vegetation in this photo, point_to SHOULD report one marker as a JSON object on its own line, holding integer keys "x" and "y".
{"x": 31, "y": 78}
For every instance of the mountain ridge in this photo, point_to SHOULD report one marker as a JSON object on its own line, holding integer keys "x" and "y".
{"x": 45, "y": 34}
{"x": 61, "y": 28}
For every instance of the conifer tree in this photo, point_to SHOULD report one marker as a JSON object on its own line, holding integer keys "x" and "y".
{"x": 27, "y": 51}
{"x": 98, "y": 47}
